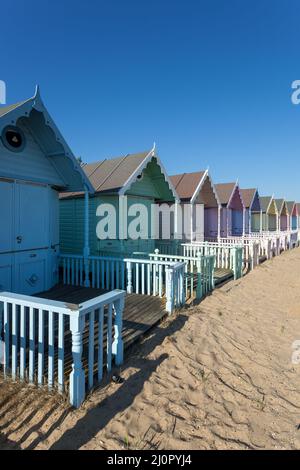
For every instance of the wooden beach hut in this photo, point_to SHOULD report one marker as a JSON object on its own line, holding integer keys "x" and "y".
{"x": 120, "y": 184}
{"x": 197, "y": 192}
{"x": 298, "y": 212}
{"x": 283, "y": 215}
{"x": 293, "y": 215}
{"x": 232, "y": 216}
{"x": 252, "y": 210}
{"x": 35, "y": 164}
{"x": 269, "y": 214}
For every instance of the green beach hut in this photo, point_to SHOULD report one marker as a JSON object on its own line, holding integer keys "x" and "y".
{"x": 120, "y": 184}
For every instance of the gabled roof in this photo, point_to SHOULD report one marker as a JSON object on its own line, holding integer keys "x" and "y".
{"x": 248, "y": 196}
{"x": 290, "y": 206}
{"x": 196, "y": 186}
{"x": 187, "y": 183}
{"x": 116, "y": 175}
{"x": 279, "y": 204}
{"x": 34, "y": 115}
{"x": 265, "y": 202}
{"x": 225, "y": 192}
{"x": 298, "y": 207}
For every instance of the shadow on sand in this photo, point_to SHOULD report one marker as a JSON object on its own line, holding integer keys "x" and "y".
{"x": 105, "y": 411}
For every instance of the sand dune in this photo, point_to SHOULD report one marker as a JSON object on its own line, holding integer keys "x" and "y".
{"x": 219, "y": 376}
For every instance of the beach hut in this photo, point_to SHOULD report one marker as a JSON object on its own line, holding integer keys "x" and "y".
{"x": 292, "y": 208}
{"x": 232, "y": 217}
{"x": 298, "y": 212}
{"x": 252, "y": 210}
{"x": 283, "y": 215}
{"x": 269, "y": 214}
{"x": 197, "y": 193}
{"x": 35, "y": 163}
{"x": 127, "y": 189}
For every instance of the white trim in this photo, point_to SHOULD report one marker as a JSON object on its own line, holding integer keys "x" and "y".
{"x": 23, "y": 110}
{"x": 201, "y": 183}
{"x": 232, "y": 194}
{"x": 133, "y": 177}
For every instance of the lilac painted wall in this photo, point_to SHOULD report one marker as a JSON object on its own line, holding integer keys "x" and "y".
{"x": 283, "y": 222}
{"x": 232, "y": 217}
{"x": 211, "y": 222}
{"x": 236, "y": 202}
{"x": 223, "y": 221}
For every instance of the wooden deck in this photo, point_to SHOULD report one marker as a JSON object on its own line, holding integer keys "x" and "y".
{"x": 140, "y": 314}
{"x": 222, "y": 275}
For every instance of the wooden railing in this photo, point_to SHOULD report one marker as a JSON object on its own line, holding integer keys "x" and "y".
{"x": 43, "y": 340}
{"x": 139, "y": 276}
{"x": 226, "y": 256}
{"x": 198, "y": 272}
{"x": 250, "y": 249}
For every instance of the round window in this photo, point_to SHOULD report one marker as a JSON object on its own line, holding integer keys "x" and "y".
{"x": 13, "y": 138}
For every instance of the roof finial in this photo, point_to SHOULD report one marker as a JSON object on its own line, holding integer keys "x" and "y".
{"x": 37, "y": 92}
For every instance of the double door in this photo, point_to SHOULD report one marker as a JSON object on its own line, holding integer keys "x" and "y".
{"x": 28, "y": 236}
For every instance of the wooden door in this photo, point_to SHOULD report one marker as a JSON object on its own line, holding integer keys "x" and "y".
{"x": 32, "y": 217}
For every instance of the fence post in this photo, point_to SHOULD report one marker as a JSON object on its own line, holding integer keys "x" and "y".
{"x": 199, "y": 288}
{"x": 1, "y": 340}
{"x": 118, "y": 346}
{"x": 181, "y": 281}
{"x": 129, "y": 277}
{"x": 170, "y": 289}
{"x": 234, "y": 262}
{"x": 77, "y": 376}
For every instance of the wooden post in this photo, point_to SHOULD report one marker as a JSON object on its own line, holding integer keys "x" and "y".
{"x": 261, "y": 222}
{"x": 86, "y": 250}
{"x": 2, "y": 344}
{"x": 199, "y": 288}
{"x": 129, "y": 277}
{"x": 117, "y": 346}
{"x": 77, "y": 376}
{"x": 170, "y": 289}
{"x": 244, "y": 221}
{"x": 219, "y": 222}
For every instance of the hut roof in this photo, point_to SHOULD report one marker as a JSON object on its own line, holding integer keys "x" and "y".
{"x": 33, "y": 113}
{"x": 115, "y": 175}
{"x": 248, "y": 196}
{"x": 279, "y": 204}
{"x": 290, "y": 206}
{"x": 265, "y": 202}
{"x": 187, "y": 183}
{"x": 224, "y": 191}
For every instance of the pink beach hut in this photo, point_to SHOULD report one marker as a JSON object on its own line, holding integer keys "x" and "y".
{"x": 232, "y": 214}
{"x": 283, "y": 215}
{"x": 198, "y": 192}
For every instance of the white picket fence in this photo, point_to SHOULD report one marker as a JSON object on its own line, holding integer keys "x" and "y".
{"x": 251, "y": 249}
{"x": 198, "y": 272}
{"x": 139, "y": 276}
{"x": 226, "y": 256}
{"x": 39, "y": 336}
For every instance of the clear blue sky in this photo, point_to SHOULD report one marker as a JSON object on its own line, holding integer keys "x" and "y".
{"x": 209, "y": 81}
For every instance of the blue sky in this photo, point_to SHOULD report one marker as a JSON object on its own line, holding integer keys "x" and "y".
{"x": 208, "y": 81}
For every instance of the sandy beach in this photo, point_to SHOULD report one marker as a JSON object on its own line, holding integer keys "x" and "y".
{"x": 217, "y": 376}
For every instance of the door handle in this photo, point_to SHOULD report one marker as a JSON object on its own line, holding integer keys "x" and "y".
{"x": 19, "y": 239}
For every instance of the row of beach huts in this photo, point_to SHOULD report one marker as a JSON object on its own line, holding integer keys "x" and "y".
{"x": 72, "y": 300}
